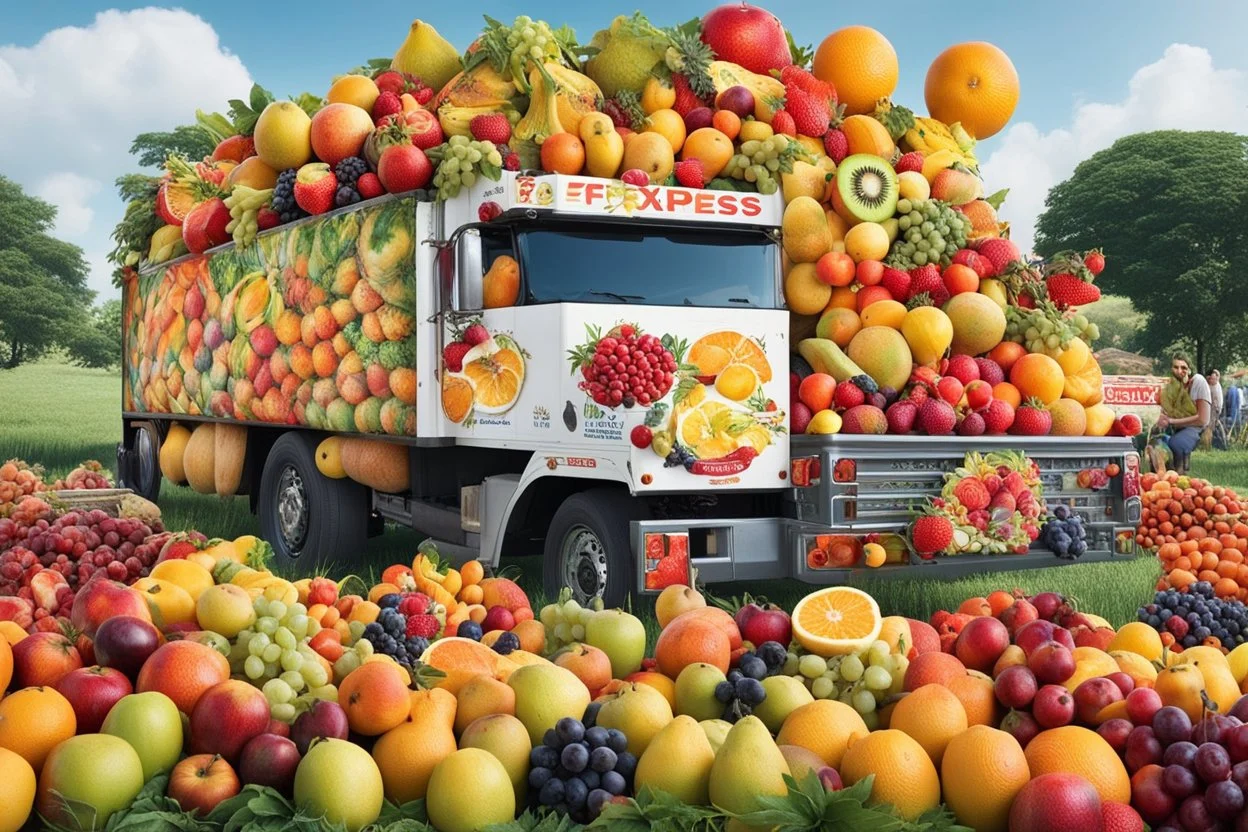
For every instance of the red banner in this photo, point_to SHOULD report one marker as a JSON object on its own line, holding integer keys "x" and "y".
{"x": 1132, "y": 391}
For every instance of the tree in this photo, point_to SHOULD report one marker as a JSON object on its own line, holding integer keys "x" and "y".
{"x": 189, "y": 140}
{"x": 1169, "y": 209}
{"x": 44, "y": 299}
{"x": 96, "y": 341}
{"x": 1119, "y": 322}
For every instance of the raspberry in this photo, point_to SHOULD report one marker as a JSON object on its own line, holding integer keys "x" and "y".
{"x": 627, "y": 368}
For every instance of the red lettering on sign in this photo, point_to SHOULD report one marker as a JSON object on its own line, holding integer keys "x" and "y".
{"x": 581, "y": 462}
{"x": 594, "y": 191}
{"x": 677, "y": 198}
{"x": 704, "y": 203}
{"x": 751, "y": 206}
{"x": 649, "y": 199}
{"x": 574, "y": 191}
{"x": 728, "y": 205}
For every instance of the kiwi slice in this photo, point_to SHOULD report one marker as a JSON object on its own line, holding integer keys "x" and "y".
{"x": 867, "y": 187}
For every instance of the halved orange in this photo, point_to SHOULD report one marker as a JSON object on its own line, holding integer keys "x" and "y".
{"x": 836, "y": 621}
{"x": 457, "y": 396}
{"x": 713, "y": 352}
{"x": 462, "y": 659}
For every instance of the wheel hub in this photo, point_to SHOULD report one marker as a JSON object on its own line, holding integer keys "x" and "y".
{"x": 584, "y": 563}
{"x": 292, "y": 510}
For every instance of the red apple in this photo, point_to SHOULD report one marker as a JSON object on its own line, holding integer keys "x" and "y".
{"x": 1047, "y": 604}
{"x": 1115, "y": 732}
{"x": 323, "y": 719}
{"x": 1038, "y": 632}
{"x": 226, "y": 716}
{"x": 1020, "y": 725}
{"x": 1053, "y": 706}
{"x": 747, "y": 36}
{"x": 981, "y": 643}
{"x": 1124, "y": 682}
{"x": 764, "y": 623}
{"x": 202, "y": 781}
{"x": 1098, "y": 637}
{"x": 269, "y": 760}
{"x": 276, "y": 726}
{"x": 93, "y": 691}
{"x": 1094, "y": 694}
{"x": 1017, "y": 615}
{"x": 498, "y": 618}
{"x": 1142, "y": 703}
{"x": 124, "y": 642}
{"x": 42, "y": 658}
{"x": 99, "y": 599}
{"x": 1015, "y": 687}
{"x": 1052, "y": 663}
{"x": 924, "y": 638}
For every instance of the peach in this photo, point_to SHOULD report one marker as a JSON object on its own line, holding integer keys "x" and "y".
{"x": 339, "y": 131}
{"x": 100, "y": 599}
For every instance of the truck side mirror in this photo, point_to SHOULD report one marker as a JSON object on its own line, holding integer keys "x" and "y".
{"x": 466, "y": 293}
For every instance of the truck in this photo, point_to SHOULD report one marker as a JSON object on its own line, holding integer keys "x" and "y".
{"x": 576, "y": 366}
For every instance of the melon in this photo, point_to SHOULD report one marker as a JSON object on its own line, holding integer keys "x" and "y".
{"x": 382, "y": 466}
{"x": 229, "y": 455}
{"x": 883, "y": 354}
{"x": 329, "y": 458}
{"x": 171, "y": 451}
{"x": 198, "y": 459}
{"x": 978, "y": 323}
{"x": 1069, "y": 418}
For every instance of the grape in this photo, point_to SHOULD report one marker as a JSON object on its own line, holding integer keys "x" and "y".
{"x": 253, "y": 667}
{"x": 290, "y": 660}
{"x": 549, "y": 616}
{"x": 283, "y": 712}
{"x": 812, "y": 666}
{"x": 823, "y": 688}
{"x": 791, "y": 663}
{"x": 578, "y": 632}
{"x": 929, "y": 231}
{"x": 257, "y": 643}
{"x": 563, "y": 633}
{"x": 285, "y": 639}
{"x": 876, "y": 678}
{"x": 294, "y": 679}
{"x": 851, "y": 668}
{"x": 314, "y": 674}
{"x": 278, "y": 691}
{"x": 879, "y": 654}
{"x": 267, "y": 625}
{"x": 462, "y": 162}
{"x": 272, "y": 653}
{"x": 864, "y": 701}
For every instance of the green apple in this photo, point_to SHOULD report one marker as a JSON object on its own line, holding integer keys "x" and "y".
{"x": 150, "y": 722}
{"x": 621, "y": 636}
{"x": 86, "y": 779}
{"x": 695, "y": 691}
{"x": 785, "y": 694}
{"x": 340, "y": 780}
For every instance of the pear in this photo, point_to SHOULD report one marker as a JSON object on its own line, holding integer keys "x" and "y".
{"x": 716, "y": 731}
{"x": 638, "y": 710}
{"x": 785, "y": 694}
{"x": 678, "y": 761}
{"x": 747, "y": 767}
{"x": 695, "y": 691}
{"x": 427, "y": 55}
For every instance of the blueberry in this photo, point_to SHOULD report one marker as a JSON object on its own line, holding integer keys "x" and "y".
{"x": 616, "y": 741}
{"x": 390, "y": 600}
{"x": 602, "y": 759}
{"x": 469, "y": 629}
{"x": 575, "y": 757}
{"x": 551, "y": 793}
{"x": 543, "y": 756}
{"x": 596, "y": 736}
{"x": 751, "y": 692}
{"x": 1061, "y": 512}
{"x": 734, "y": 675}
{"x": 569, "y": 730}
{"x": 772, "y": 653}
{"x": 574, "y": 793}
{"x": 753, "y": 667}
{"x": 506, "y": 643}
{"x": 539, "y": 776}
{"x": 724, "y": 692}
{"x": 590, "y": 716}
{"x": 614, "y": 782}
{"x": 551, "y": 740}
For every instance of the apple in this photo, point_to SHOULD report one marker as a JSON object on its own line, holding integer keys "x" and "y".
{"x": 1124, "y": 682}
{"x": 498, "y": 618}
{"x": 1032, "y": 635}
{"x": 276, "y": 726}
{"x": 1115, "y": 732}
{"x": 1142, "y": 703}
{"x": 1053, "y": 706}
{"x": 42, "y": 658}
{"x": 124, "y": 642}
{"x": 981, "y": 643}
{"x": 621, "y": 636}
{"x": 228, "y": 715}
{"x": 764, "y": 623}
{"x": 1047, "y": 604}
{"x": 1052, "y": 663}
{"x": 1018, "y": 614}
{"x": 269, "y": 760}
{"x": 152, "y": 724}
{"x": 93, "y": 691}
{"x": 1021, "y": 725}
{"x": 86, "y": 779}
{"x": 324, "y": 719}
{"x": 747, "y": 35}
{"x": 201, "y": 781}
{"x": 99, "y": 599}
{"x": 1094, "y": 694}
{"x": 1016, "y": 687}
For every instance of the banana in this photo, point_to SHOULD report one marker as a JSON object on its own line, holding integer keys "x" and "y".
{"x": 455, "y": 121}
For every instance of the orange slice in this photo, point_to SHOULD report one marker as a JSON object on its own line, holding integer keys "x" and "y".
{"x": 462, "y": 659}
{"x": 713, "y": 352}
{"x": 836, "y": 621}
{"x": 457, "y": 396}
{"x": 497, "y": 387}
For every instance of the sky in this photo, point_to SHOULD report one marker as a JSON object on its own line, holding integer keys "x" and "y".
{"x": 79, "y": 80}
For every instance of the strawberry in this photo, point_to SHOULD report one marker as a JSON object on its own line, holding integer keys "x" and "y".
{"x": 950, "y": 389}
{"x": 1095, "y": 261}
{"x": 836, "y": 144}
{"x": 782, "y": 122}
{"x": 1014, "y": 483}
{"x": 990, "y": 371}
{"x": 391, "y": 81}
{"x": 267, "y": 218}
{"x": 847, "y": 395}
{"x": 810, "y": 114}
{"x": 414, "y": 603}
{"x": 912, "y": 161}
{"x": 511, "y": 161}
{"x": 1126, "y": 425}
{"x": 422, "y": 626}
{"x": 794, "y": 77}
{"x": 896, "y": 282}
{"x": 636, "y": 177}
{"x": 1032, "y": 419}
{"x": 369, "y": 186}
{"x": 971, "y": 425}
{"x": 641, "y": 437}
{"x": 971, "y": 492}
{"x": 901, "y": 416}
{"x": 963, "y": 368}
{"x": 672, "y": 569}
{"x": 1003, "y": 499}
{"x": 488, "y": 210}
{"x": 982, "y": 266}
{"x": 387, "y": 103}
{"x": 1067, "y": 290}
{"x": 315, "y": 185}
{"x": 931, "y": 533}
{"x": 689, "y": 173}
{"x": 1000, "y": 252}
{"x": 686, "y": 98}
{"x": 423, "y": 95}
{"x": 936, "y": 417}
{"x": 926, "y": 280}
{"x": 453, "y": 355}
{"x": 490, "y": 127}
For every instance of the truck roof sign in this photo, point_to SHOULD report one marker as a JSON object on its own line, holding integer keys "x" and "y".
{"x": 593, "y": 197}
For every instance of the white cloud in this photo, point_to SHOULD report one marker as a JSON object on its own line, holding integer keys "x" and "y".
{"x": 1183, "y": 90}
{"x": 75, "y": 100}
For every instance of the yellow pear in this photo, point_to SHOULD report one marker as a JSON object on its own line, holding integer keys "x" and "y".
{"x": 638, "y": 710}
{"x": 716, "y": 731}
{"x": 604, "y": 147}
{"x": 747, "y": 767}
{"x": 650, "y": 153}
{"x": 678, "y": 761}
{"x": 427, "y": 55}
{"x": 805, "y": 180}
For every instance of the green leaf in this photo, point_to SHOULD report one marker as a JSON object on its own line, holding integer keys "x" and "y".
{"x": 801, "y": 55}
{"x": 412, "y": 810}
{"x": 997, "y": 199}
{"x": 309, "y": 102}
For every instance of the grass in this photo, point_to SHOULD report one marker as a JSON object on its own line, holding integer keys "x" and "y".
{"x": 59, "y": 415}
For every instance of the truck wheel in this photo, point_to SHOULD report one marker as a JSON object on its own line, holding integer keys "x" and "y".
{"x": 588, "y": 547}
{"x": 138, "y": 464}
{"x": 307, "y": 517}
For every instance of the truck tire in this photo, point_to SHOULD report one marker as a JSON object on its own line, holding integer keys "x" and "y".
{"x": 588, "y": 546}
{"x": 307, "y": 517}
{"x": 138, "y": 461}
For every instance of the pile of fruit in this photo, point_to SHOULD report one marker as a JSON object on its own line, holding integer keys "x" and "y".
{"x": 19, "y": 479}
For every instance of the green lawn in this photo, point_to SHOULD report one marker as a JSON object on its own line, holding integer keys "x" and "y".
{"x": 59, "y": 415}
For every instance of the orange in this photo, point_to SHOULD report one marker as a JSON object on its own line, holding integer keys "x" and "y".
{"x": 11, "y": 632}
{"x": 1068, "y": 418}
{"x": 6, "y": 665}
{"x": 359, "y": 90}
{"x": 825, "y": 726}
{"x": 190, "y": 576}
{"x": 1006, "y": 353}
{"x": 33, "y": 721}
{"x": 836, "y": 620}
{"x": 982, "y": 771}
{"x": 861, "y": 64}
{"x": 843, "y": 297}
{"x": 472, "y": 572}
{"x": 17, "y": 798}
{"x": 1077, "y": 750}
{"x": 656, "y": 95}
{"x": 974, "y": 83}
{"x": 496, "y": 377}
{"x": 711, "y": 147}
{"x": 933, "y": 716}
{"x": 183, "y": 670}
{"x": 712, "y": 353}
{"x": 375, "y": 698}
{"x": 532, "y": 633}
{"x": 563, "y": 153}
{"x": 689, "y": 639}
{"x": 471, "y": 594}
{"x": 1008, "y": 393}
{"x": 433, "y": 706}
{"x": 975, "y": 693}
{"x": 407, "y": 755}
{"x": 457, "y": 395}
{"x": 727, "y": 122}
{"x": 669, "y": 124}
{"x": 1035, "y": 374}
{"x": 904, "y": 775}
{"x": 461, "y": 659}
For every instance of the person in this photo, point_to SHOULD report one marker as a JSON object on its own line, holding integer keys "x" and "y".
{"x": 1234, "y": 402}
{"x": 1217, "y": 397}
{"x": 1214, "y": 435}
{"x": 1186, "y": 408}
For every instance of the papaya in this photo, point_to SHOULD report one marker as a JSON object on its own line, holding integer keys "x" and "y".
{"x": 866, "y": 135}
{"x": 1181, "y": 686}
{"x": 229, "y": 456}
{"x": 198, "y": 459}
{"x": 379, "y": 465}
{"x": 481, "y": 86}
{"x": 171, "y": 452}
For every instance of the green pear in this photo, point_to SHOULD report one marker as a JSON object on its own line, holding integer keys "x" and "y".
{"x": 695, "y": 691}
{"x": 621, "y": 636}
{"x": 748, "y": 767}
{"x": 639, "y": 711}
{"x": 545, "y": 694}
{"x": 716, "y": 731}
{"x": 678, "y": 761}
{"x": 785, "y": 694}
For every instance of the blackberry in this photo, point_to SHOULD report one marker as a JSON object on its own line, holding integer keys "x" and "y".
{"x": 283, "y": 200}
{"x": 506, "y": 643}
{"x": 350, "y": 169}
{"x": 346, "y": 195}
{"x": 865, "y": 383}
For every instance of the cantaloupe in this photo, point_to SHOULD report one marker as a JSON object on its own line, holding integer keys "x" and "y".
{"x": 379, "y": 465}
{"x": 198, "y": 459}
{"x": 171, "y": 451}
{"x": 329, "y": 458}
{"x": 229, "y": 455}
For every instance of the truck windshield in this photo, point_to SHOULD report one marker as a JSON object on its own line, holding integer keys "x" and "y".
{"x": 651, "y": 266}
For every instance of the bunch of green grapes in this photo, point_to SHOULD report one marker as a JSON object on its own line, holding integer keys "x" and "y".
{"x": 274, "y": 654}
{"x": 565, "y": 620}
{"x": 930, "y": 231}
{"x": 463, "y": 160}
{"x": 861, "y": 680}
{"x": 761, "y": 161}
{"x": 244, "y": 204}
{"x": 1042, "y": 329}
{"x": 531, "y": 39}
{"x": 1085, "y": 329}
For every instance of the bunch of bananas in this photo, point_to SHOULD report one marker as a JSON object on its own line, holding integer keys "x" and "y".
{"x": 934, "y": 138}
{"x": 257, "y": 582}
{"x": 244, "y": 204}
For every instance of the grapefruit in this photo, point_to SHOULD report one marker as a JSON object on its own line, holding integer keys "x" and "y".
{"x": 283, "y": 135}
